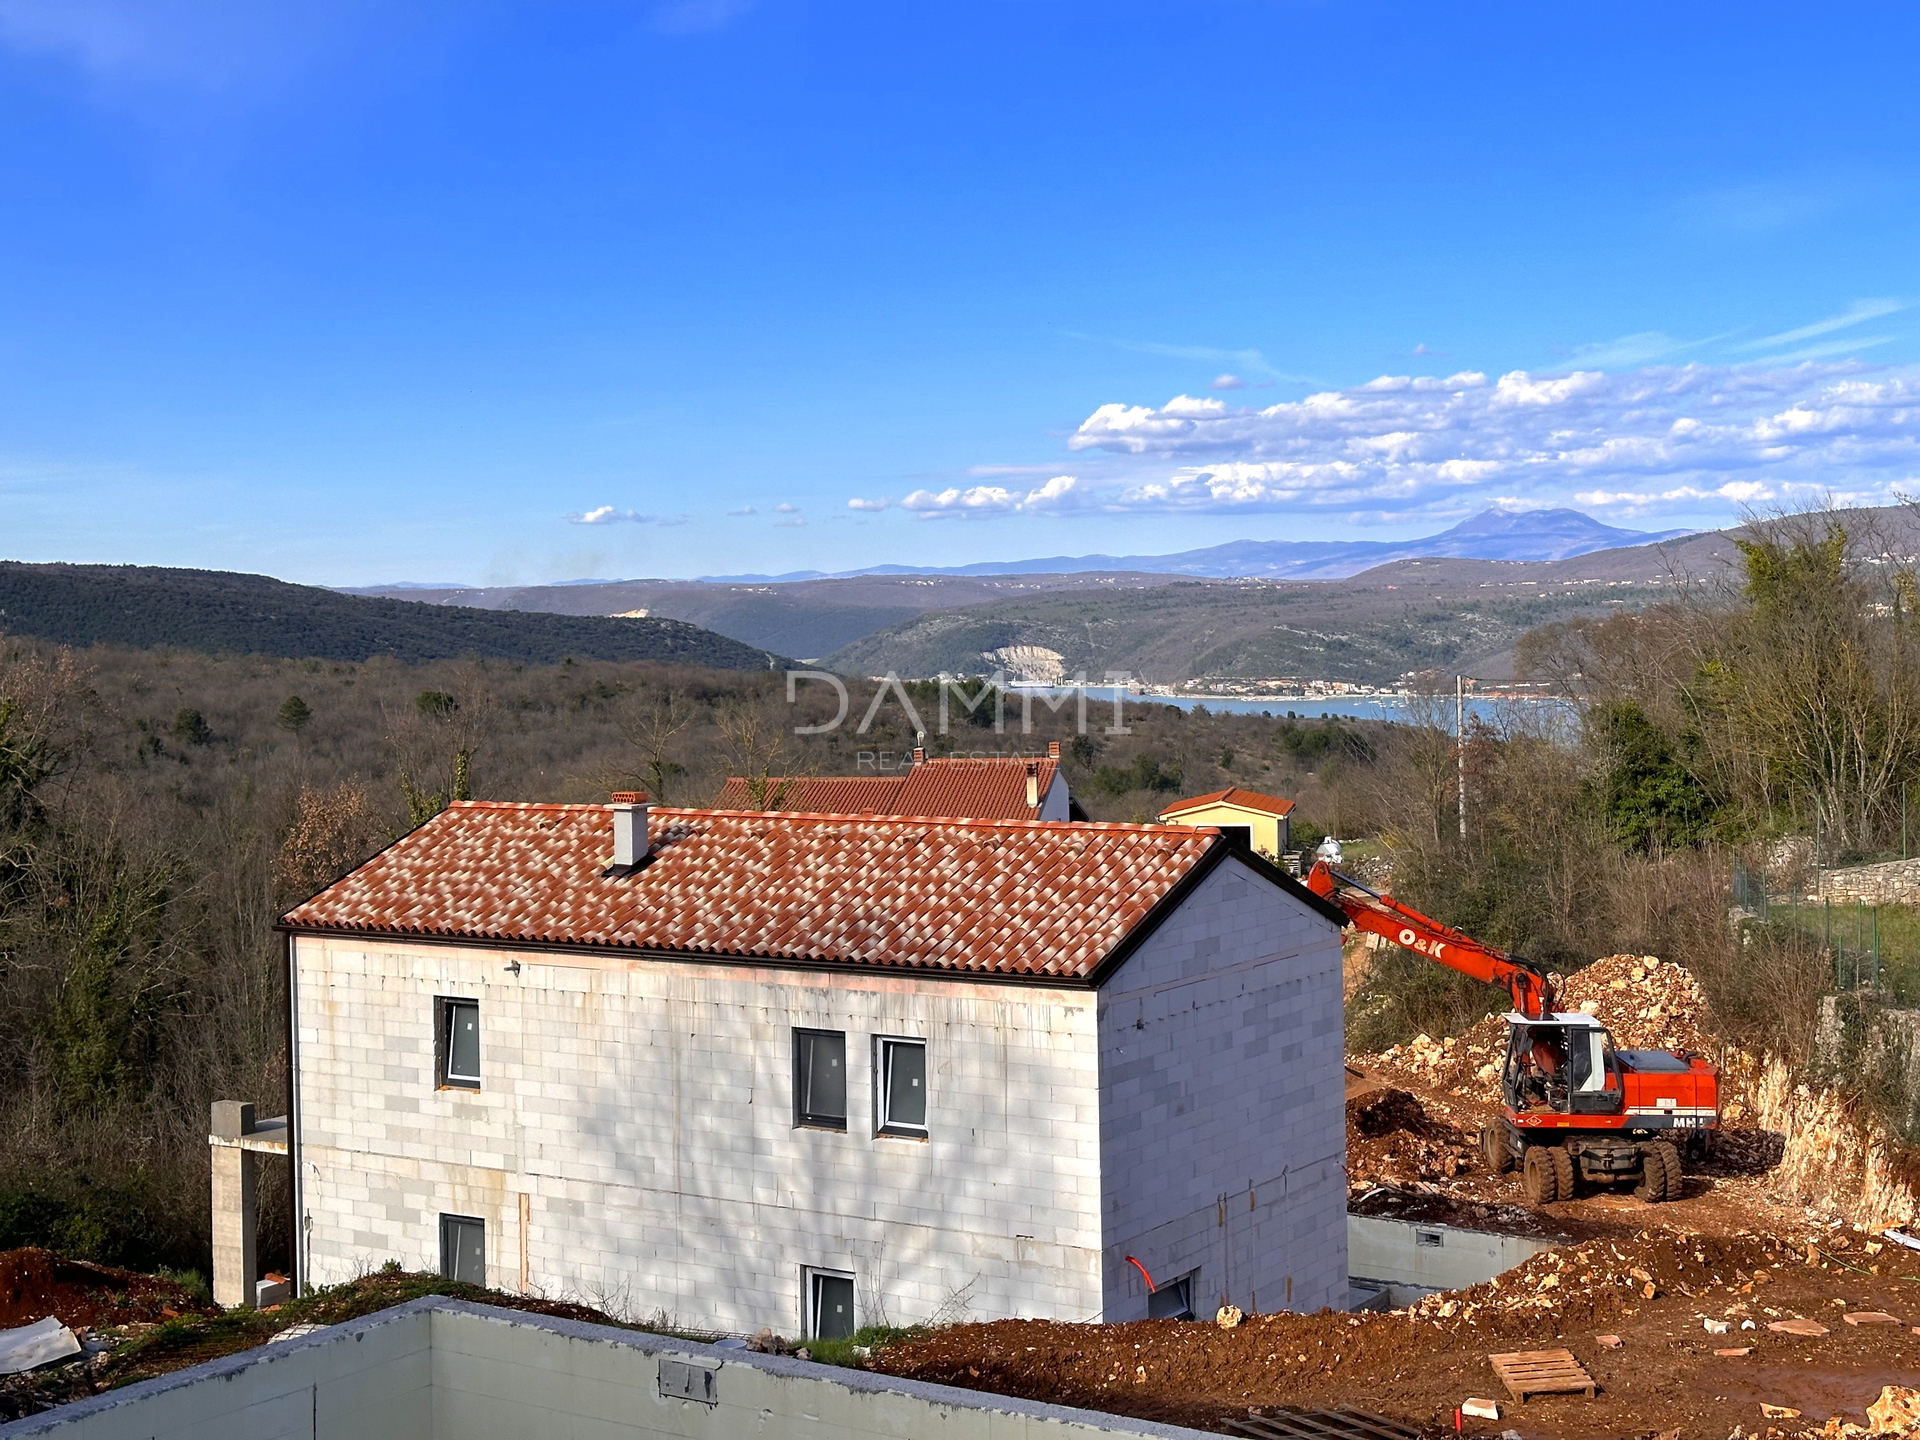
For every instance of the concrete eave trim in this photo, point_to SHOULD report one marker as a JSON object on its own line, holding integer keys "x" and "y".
{"x": 1037, "y": 979}
{"x": 269, "y": 1137}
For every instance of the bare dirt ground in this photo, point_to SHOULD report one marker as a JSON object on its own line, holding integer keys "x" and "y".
{"x": 1733, "y": 1254}
{"x": 1417, "y": 1365}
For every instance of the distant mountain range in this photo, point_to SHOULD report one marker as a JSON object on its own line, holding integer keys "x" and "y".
{"x": 1496, "y": 534}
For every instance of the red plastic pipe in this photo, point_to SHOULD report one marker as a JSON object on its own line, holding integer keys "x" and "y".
{"x": 1151, "y": 1287}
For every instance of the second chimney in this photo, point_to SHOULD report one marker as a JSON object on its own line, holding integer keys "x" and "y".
{"x": 1033, "y": 784}
{"x": 629, "y": 828}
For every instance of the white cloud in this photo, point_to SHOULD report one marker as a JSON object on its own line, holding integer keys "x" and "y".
{"x": 783, "y": 508}
{"x": 1855, "y": 313}
{"x": 1640, "y": 349}
{"x": 1226, "y": 382}
{"x": 744, "y": 510}
{"x": 858, "y": 504}
{"x": 608, "y": 515}
{"x": 1244, "y": 360}
{"x": 1062, "y": 492}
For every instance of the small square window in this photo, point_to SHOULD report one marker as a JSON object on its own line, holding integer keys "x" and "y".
{"x": 463, "y": 1249}
{"x": 829, "y": 1305}
{"x": 457, "y": 1044}
{"x": 1174, "y": 1300}
{"x": 820, "y": 1079}
{"x": 900, "y": 1087}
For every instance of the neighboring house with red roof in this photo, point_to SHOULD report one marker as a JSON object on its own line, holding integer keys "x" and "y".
{"x": 993, "y": 787}
{"x": 1261, "y": 821}
{"x": 811, "y": 1071}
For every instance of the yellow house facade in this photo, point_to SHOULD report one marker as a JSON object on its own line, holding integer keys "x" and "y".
{"x": 1262, "y": 817}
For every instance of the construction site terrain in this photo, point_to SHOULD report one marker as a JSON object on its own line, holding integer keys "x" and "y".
{"x": 1734, "y": 1310}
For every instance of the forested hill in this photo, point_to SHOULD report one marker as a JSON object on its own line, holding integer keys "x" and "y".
{"x": 225, "y": 613}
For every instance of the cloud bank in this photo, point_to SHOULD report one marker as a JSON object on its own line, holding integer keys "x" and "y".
{"x": 1658, "y": 437}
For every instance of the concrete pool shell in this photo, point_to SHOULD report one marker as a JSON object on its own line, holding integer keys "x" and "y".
{"x": 447, "y": 1368}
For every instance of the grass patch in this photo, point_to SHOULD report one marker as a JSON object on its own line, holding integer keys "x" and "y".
{"x": 854, "y": 1351}
{"x": 194, "y": 1339}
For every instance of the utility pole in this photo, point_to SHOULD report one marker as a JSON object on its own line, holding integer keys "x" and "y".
{"x": 1460, "y": 744}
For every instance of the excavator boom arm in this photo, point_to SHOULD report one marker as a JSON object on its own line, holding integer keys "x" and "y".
{"x": 1403, "y": 925}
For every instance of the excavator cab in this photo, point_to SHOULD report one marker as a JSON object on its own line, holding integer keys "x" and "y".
{"x": 1559, "y": 1064}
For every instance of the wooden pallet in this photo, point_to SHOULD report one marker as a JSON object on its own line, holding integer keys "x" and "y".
{"x": 1542, "y": 1372}
{"x": 1291, "y": 1422}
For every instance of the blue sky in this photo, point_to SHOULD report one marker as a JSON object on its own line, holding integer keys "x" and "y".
{"x": 507, "y": 293}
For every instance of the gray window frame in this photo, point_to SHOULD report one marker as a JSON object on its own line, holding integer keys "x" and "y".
{"x": 810, "y": 1298}
{"x": 450, "y": 1246}
{"x": 445, "y": 1008}
{"x": 804, "y": 1119}
{"x": 883, "y": 1122}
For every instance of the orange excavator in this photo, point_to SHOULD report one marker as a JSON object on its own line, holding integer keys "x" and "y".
{"x": 1573, "y": 1108}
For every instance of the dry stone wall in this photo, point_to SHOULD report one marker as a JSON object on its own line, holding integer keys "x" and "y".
{"x": 1897, "y": 882}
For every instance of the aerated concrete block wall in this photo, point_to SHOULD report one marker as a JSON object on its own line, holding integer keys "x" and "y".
{"x": 440, "y": 1370}
{"x": 1222, "y": 1080}
{"x": 642, "y": 1114}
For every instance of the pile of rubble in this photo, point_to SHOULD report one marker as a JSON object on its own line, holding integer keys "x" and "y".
{"x": 1647, "y": 1003}
{"x": 1392, "y": 1138}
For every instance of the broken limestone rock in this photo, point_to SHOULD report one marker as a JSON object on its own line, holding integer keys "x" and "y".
{"x": 1797, "y": 1327}
{"x": 1897, "y": 1409}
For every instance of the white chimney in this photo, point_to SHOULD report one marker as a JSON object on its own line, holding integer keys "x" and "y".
{"x": 629, "y": 828}
{"x": 1033, "y": 784}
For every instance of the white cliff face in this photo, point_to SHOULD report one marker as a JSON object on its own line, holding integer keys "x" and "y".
{"x": 1029, "y": 664}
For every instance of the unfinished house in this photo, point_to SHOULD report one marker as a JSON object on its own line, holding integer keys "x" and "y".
{"x": 993, "y": 787}
{"x": 813, "y": 1071}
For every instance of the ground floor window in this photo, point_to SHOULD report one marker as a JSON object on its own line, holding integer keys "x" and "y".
{"x": 1174, "y": 1300}
{"x": 463, "y": 1249}
{"x": 829, "y": 1304}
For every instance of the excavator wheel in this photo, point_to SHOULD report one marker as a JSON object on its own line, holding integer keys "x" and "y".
{"x": 1661, "y": 1177}
{"x": 1493, "y": 1145}
{"x": 1562, "y": 1171}
{"x": 1539, "y": 1176}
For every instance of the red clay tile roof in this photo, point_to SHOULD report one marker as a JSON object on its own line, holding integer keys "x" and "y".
{"x": 1245, "y": 799}
{"x": 985, "y": 789}
{"x": 980, "y": 789}
{"x": 816, "y": 795}
{"x": 975, "y": 897}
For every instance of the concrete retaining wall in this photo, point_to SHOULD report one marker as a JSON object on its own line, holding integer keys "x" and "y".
{"x": 443, "y": 1370}
{"x": 371, "y": 1379}
{"x": 1404, "y": 1253}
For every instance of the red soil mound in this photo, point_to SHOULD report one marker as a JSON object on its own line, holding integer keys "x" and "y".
{"x": 37, "y": 1283}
